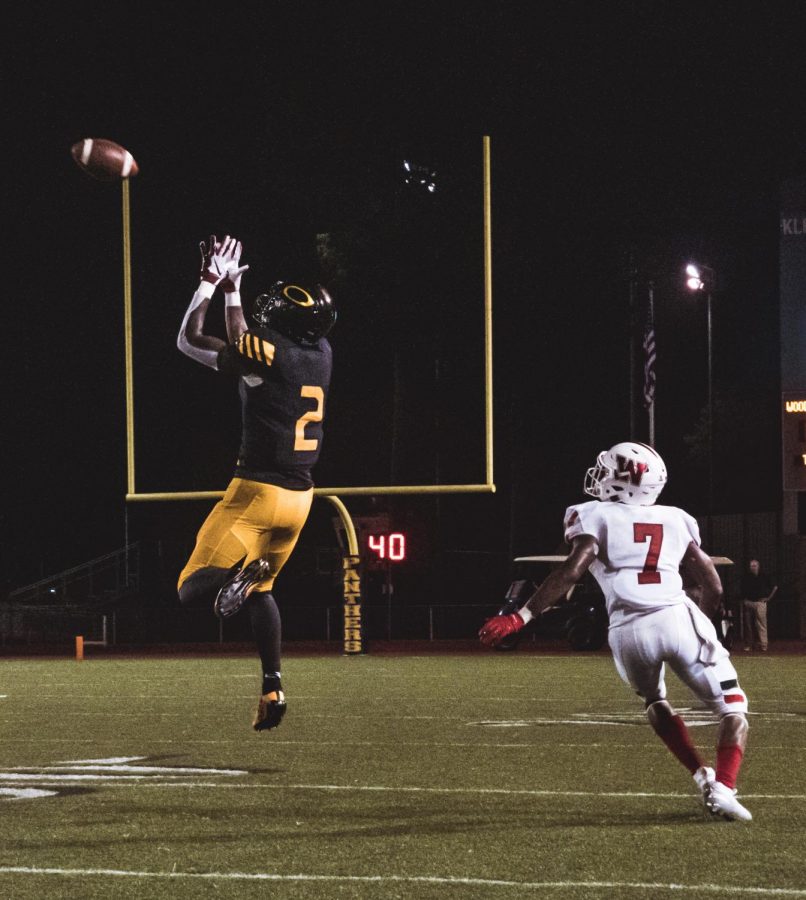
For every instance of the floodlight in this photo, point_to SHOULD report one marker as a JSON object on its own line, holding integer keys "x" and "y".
{"x": 420, "y": 176}
{"x": 700, "y": 278}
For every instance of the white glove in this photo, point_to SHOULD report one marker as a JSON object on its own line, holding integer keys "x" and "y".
{"x": 220, "y": 259}
{"x": 232, "y": 280}
{"x": 208, "y": 250}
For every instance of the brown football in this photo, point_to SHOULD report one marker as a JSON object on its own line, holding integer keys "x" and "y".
{"x": 104, "y": 159}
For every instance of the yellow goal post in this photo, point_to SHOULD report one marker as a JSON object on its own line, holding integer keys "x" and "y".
{"x": 353, "y": 642}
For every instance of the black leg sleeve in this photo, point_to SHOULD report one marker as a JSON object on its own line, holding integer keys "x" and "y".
{"x": 265, "y": 619}
{"x": 203, "y": 586}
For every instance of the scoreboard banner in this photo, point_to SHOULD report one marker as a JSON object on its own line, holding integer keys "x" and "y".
{"x": 792, "y": 284}
{"x": 793, "y": 443}
{"x": 792, "y": 256}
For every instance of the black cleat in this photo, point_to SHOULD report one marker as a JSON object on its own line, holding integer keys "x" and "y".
{"x": 233, "y": 594}
{"x": 270, "y": 711}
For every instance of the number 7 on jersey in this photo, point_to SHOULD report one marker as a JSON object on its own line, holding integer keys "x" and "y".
{"x": 642, "y": 531}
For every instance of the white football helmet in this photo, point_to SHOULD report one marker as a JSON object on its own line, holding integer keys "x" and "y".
{"x": 629, "y": 472}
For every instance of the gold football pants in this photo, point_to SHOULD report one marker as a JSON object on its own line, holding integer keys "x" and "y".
{"x": 252, "y": 520}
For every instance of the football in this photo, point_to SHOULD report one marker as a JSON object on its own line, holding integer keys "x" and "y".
{"x": 104, "y": 159}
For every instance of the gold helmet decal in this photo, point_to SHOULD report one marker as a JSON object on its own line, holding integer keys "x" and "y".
{"x": 292, "y": 291}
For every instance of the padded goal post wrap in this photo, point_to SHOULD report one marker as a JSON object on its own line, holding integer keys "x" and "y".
{"x": 353, "y": 628}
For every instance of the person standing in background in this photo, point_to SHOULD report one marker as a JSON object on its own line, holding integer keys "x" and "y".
{"x": 757, "y": 591}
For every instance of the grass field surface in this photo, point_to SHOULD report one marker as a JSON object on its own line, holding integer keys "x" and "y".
{"x": 476, "y": 775}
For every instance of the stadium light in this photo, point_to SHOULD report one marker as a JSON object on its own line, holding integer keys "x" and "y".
{"x": 422, "y": 176}
{"x": 699, "y": 278}
{"x": 694, "y": 282}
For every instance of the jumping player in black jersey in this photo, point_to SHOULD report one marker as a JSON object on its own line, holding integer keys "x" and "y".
{"x": 283, "y": 364}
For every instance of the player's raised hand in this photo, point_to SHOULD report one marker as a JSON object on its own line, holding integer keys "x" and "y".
{"x": 218, "y": 258}
{"x": 232, "y": 256}
{"x": 494, "y": 630}
{"x": 207, "y": 249}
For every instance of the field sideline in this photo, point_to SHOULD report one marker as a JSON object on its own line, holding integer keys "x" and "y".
{"x": 475, "y": 775}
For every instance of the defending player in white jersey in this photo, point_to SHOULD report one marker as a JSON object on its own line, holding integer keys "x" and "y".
{"x": 639, "y": 554}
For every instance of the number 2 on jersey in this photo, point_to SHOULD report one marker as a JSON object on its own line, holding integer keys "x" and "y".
{"x": 313, "y": 415}
{"x": 641, "y": 531}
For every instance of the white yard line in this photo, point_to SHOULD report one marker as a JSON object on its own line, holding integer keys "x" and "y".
{"x": 25, "y": 794}
{"x": 722, "y": 889}
{"x": 135, "y": 770}
{"x": 530, "y": 745}
{"x": 440, "y": 790}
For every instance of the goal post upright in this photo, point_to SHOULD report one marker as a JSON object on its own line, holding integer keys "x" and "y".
{"x": 488, "y": 314}
{"x": 127, "y": 331}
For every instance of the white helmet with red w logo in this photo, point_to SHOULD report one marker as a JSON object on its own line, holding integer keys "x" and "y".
{"x": 628, "y": 472}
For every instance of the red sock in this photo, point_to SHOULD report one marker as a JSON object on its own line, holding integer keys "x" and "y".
{"x": 673, "y": 732}
{"x": 728, "y": 760}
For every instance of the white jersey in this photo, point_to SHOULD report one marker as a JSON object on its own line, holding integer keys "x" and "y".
{"x": 639, "y": 552}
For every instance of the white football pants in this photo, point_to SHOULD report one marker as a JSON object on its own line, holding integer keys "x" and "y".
{"x": 684, "y": 637}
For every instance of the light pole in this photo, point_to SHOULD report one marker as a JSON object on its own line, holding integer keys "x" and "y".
{"x": 703, "y": 278}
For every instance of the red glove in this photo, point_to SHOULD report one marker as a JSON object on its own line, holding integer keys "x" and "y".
{"x": 494, "y": 630}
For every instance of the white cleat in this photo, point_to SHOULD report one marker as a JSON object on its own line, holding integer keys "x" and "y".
{"x": 704, "y": 777}
{"x": 721, "y": 802}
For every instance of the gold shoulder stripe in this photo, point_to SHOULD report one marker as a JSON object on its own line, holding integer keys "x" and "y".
{"x": 256, "y": 348}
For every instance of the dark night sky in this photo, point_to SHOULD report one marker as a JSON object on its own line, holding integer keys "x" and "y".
{"x": 658, "y": 128}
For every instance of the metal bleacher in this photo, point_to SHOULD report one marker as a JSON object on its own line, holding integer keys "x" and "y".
{"x": 81, "y": 600}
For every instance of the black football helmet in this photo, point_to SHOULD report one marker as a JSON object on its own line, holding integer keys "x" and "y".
{"x": 299, "y": 313}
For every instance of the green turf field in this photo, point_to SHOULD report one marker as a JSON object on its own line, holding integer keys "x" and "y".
{"x": 482, "y": 775}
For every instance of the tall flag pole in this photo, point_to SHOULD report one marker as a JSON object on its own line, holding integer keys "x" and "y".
{"x": 632, "y": 274}
{"x": 649, "y": 365}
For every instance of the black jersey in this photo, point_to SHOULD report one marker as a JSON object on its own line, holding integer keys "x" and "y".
{"x": 283, "y": 390}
